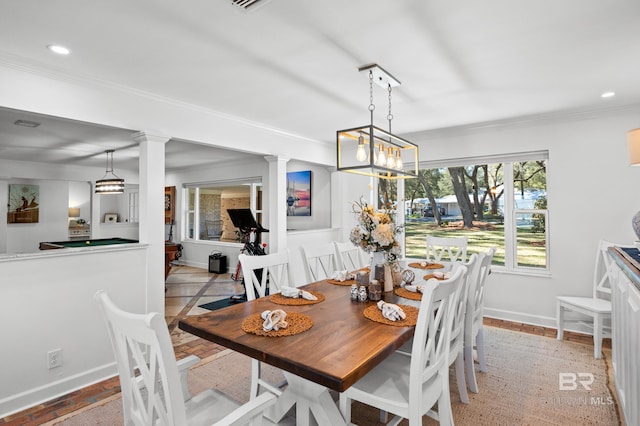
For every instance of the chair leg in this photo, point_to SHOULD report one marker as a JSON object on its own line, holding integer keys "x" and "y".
{"x": 597, "y": 336}
{"x": 470, "y": 369}
{"x": 560, "y": 320}
{"x": 445, "y": 414}
{"x": 480, "y": 348}
{"x": 462, "y": 383}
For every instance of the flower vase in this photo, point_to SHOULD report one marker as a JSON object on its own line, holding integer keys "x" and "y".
{"x": 635, "y": 222}
{"x": 388, "y": 278}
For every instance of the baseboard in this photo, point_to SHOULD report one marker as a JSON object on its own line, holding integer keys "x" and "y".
{"x": 33, "y": 397}
{"x": 538, "y": 320}
{"x": 200, "y": 265}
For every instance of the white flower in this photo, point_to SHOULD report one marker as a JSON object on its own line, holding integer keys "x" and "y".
{"x": 375, "y": 232}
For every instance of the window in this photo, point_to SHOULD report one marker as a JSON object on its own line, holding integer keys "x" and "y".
{"x": 499, "y": 201}
{"x": 206, "y": 217}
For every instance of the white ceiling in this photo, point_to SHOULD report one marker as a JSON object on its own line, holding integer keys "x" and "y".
{"x": 293, "y": 64}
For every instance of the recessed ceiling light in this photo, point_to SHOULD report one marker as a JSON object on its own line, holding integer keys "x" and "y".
{"x": 61, "y": 50}
{"x": 608, "y": 95}
{"x": 26, "y": 123}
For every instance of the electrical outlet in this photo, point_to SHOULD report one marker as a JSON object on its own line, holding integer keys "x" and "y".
{"x": 54, "y": 358}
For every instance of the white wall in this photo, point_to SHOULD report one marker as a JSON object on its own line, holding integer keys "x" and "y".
{"x": 591, "y": 191}
{"x": 46, "y": 304}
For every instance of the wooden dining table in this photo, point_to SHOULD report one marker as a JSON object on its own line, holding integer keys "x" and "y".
{"x": 340, "y": 348}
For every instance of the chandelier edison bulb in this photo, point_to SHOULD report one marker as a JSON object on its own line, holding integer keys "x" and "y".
{"x": 399, "y": 163}
{"x": 382, "y": 157}
{"x": 391, "y": 162}
{"x": 361, "y": 153}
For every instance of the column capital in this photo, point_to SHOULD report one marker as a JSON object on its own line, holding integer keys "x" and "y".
{"x": 150, "y": 137}
{"x": 276, "y": 158}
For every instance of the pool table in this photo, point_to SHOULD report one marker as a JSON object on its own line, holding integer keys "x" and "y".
{"x": 84, "y": 243}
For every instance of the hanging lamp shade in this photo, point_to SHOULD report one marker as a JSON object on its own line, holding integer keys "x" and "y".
{"x": 633, "y": 144}
{"x": 110, "y": 183}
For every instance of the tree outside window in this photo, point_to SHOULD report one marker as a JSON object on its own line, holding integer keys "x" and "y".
{"x": 498, "y": 203}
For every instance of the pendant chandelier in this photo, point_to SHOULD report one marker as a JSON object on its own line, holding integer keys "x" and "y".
{"x": 110, "y": 183}
{"x": 368, "y": 150}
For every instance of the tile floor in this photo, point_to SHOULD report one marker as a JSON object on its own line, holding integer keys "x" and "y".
{"x": 188, "y": 287}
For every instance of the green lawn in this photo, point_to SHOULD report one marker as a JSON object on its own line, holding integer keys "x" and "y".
{"x": 531, "y": 246}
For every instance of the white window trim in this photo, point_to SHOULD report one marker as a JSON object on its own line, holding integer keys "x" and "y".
{"x": 510, "y": 261}
{"x": 253, "y": 181}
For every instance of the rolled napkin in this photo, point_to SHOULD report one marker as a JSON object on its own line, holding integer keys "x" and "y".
{"x": 390, "y": 311}
{"x": 414, "y": 288}
{"x": 339, "y": 275}
{"x": 296, "y": 292}
{"x": 274, "y": 320}
{"x": 442, "y": 276}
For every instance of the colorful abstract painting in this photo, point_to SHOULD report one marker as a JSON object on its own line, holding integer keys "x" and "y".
{"x": 299, "y": 193}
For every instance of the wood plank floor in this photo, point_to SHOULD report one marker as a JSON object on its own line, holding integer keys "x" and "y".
{"x": 187, "y": 288}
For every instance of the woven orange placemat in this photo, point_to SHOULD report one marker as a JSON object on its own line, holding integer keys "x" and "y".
{"x": 298, "y": 323}
{"x": 403, "y": 292}
{"x": 281, "y": 300}
{"x": 336, "y": 282}
{"x": 429, "y": 276}
{"x": 427, "y": 266}
{"x": 374, "y": 314}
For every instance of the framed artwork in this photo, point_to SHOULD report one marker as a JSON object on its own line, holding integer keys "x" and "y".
{"x": 299, "y": 193}
{"x": 169, "y": 204}
{"x": 110, "y": 217}
{"x": 24, "y": 204}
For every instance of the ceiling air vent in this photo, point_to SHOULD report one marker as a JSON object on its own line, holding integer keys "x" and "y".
{"x": 249, "y": 5}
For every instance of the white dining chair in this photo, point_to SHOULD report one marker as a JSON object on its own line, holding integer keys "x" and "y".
{"x": 446, "y": 249}
{"x": 456, "y": 348}
{"x": 474, "y": 317}
{"x": 264, "y": 275}
{"x": 410, "y": 387}
{"x": 319, "y": 261}
{"x": 153, "y": 390}
{"x": 349, "y": 257}
{"x": 594, "y": 310}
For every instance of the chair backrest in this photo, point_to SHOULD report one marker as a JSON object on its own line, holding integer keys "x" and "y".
{"x": 319, "y": 261}
{"x": 349, "y": 257}
{"x": 430, "y": 348}
{"x": 458, "y": 324}
{"x": 452, "y": 249}
{"x": 141, "y": 343}
{"x": 272, "y": 270}
{"x": 602, "y": 272}
{"x": 475, "y": 299}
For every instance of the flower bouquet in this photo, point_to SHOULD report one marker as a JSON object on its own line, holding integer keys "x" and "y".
{"x": 376, "y": 231}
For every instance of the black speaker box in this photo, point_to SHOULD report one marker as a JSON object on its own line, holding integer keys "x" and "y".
{"x": 218, "y": 264}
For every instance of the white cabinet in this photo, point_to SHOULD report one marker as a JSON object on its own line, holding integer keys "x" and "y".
{"x": 625, "y": 301}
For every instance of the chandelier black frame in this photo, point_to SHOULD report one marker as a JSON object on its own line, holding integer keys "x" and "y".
{"x": 371, "y": 151}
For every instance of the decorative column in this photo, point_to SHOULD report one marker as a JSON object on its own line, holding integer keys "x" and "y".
{"x": 151, "y": 226}
{"x": 276, "y": 198}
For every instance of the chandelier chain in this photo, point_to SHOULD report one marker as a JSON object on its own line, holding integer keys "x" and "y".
{"x": 390, "y": 116}
{"x": 371, "y": 105}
